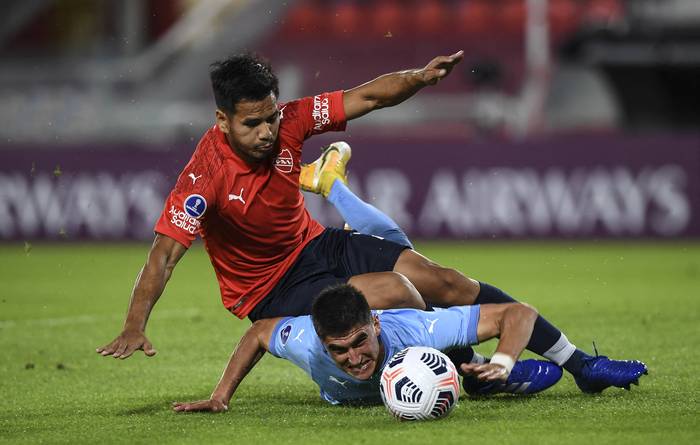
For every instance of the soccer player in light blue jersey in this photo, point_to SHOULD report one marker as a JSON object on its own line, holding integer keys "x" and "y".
{"x": 343, "y": 346}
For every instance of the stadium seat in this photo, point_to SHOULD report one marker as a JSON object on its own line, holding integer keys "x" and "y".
{"x": 429, "y": 18}
{"x": 564, "y": 17}
{"x": 388, "y": 17}
{"x": 346, "y": 20}
{"x": 475, "y": 17}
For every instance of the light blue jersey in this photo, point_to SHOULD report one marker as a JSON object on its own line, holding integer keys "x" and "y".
{"x": 295, "y": 339}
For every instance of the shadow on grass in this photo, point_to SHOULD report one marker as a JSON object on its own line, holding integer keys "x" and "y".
{"x": 310, "y": 404}
{"x": 160, "y": 405}
{"x": 150, "y": 408}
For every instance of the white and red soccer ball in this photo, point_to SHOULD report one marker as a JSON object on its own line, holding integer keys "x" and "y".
{"x": 419, "y": 383}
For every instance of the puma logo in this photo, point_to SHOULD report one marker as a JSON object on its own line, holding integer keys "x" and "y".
{"x": 338, "y": 381}
{"x": 194, "y": 178}
{"x": 238, "y": 197}
{"x": 298, "y": 337}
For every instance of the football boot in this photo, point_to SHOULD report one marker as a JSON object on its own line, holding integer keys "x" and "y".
{"x": 527, "y": 377}
{"x": 600, "y": 372}
{"x": 319, "y": 176}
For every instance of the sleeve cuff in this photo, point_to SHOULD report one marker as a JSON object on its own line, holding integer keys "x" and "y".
{"x": 174, "y": 235}
{"x": 474, "y": 314}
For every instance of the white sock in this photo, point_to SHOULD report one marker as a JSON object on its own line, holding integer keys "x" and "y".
{"x": 561, "y": 351}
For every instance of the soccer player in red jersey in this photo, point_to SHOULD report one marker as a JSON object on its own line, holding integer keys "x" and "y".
{"x": 240, "y": 193}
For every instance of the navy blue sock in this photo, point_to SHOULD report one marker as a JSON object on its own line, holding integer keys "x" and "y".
{"x": 546, "y": 340}
{"x": 544, "y": 335}
{"x": 465, "y": 354}
{"x": 575, "y": 363}
{"x": 460, "y": 355}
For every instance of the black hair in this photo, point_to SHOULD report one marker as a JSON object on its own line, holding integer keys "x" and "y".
{"x": 241, "y": 77}
{"x": 338, "y": 309}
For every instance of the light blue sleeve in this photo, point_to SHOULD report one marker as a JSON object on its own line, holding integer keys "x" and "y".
{"x": 442, "y": 329}
{"x": 454, "y": 326}
{"x": 294, "y": 339}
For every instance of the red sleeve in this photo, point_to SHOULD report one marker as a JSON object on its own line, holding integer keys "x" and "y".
{"x": 187, "y": 205}
{"x": 318, "y": 114}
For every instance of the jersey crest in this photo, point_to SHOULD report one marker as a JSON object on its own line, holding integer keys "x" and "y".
{"x": 284, "y": 162}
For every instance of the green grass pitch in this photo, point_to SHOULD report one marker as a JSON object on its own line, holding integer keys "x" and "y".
{"x": 59, "y": 302}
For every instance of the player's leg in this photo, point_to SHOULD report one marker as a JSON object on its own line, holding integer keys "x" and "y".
{"x": 443, "y": 286}
{"x": 364, "y": 217}
{"x": 387, "y": 290}
{"x": 368, "y": 220}
{"x": 322, "y": 264}
{"x": 329, "y": 168}
{"x": 438, "y": 285}
{"x": 326, "y": 176}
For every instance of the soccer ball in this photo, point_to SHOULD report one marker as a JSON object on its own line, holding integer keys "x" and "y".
{"x": 419, "y": 383}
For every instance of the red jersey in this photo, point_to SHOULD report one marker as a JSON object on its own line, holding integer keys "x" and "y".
{"x": 252, "y": 218}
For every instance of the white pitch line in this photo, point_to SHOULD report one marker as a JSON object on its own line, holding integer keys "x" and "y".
{"x": 90, "y": 319}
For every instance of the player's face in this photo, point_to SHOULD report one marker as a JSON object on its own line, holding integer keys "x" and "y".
{"x": 252, "y": 130}
{"x": 359, "y": 352}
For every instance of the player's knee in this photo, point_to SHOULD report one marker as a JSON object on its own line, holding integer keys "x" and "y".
{"x": 455, "y": 289}
{"x": 401, "y": 293}
{"x": 524, "y": 311}
{"x": 530, "y": 310}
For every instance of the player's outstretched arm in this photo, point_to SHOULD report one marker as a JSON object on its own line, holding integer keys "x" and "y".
{"x": 513, "y": 324}
{"x": 393, "y": 88}
{"x": 162, "y": 258}
{"x": 249, "y": 351}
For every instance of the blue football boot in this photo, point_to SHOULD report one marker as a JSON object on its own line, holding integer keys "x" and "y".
{"x": 527, "y": 377}
{"x": 600, "y": 372}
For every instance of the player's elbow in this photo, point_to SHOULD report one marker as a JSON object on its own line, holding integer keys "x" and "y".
{"x": 520, "y": 313}
{"x": 526, "y": 311}
{"x": 259, "y": 326}
{"x": 261, "y": 330}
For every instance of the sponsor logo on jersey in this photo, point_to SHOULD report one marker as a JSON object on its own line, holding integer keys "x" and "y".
{"x": 195, "y": 205}
{"x": 183, "y": 220}
{"x": 284, "y": 334}
{"x": 321, "y": 113}
{"x": 284, "y": 161}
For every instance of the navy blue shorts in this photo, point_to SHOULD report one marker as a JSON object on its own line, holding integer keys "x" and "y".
{"x": 331, "y": 258}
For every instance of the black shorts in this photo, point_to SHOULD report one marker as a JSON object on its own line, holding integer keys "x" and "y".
{"x": 331, "y": 258}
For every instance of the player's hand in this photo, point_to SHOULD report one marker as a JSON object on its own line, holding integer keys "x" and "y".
{"x": 126, "y": 344}
{"x": 486, "y": 372}
{"x": 440, "y": 67}
{"x": 210, "y": 406}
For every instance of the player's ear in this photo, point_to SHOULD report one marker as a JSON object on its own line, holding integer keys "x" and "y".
{"x": 377, "y": 326}
{"x": 222, "y": 121}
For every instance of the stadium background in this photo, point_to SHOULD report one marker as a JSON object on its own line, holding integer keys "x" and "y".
{"x": 570, "y": 125}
